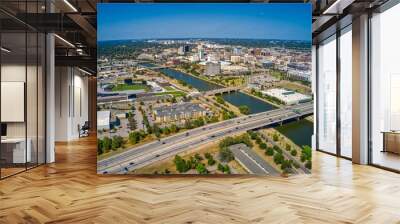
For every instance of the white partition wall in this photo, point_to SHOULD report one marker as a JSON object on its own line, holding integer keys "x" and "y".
{"x": 71, "y": 102}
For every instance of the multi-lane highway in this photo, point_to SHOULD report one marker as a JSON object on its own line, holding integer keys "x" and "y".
{"x": 146, "y": 154}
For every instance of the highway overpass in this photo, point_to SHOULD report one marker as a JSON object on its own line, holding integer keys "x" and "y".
{"x": 155, "y": 151}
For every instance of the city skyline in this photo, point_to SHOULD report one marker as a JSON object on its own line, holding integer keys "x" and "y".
{"x": 230, "y": 21}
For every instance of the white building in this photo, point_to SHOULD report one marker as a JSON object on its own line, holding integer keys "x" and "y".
{"x": 212, "y": 68}
{"x": 201, "y": 55}
{"x": 144, "y": 56}
{"x": 234, "y": 69}
{"x": 299, "y": 74}
{"x": 103, "y": 120}
{"x": 289, "y": 97}
{"x": 154, "y": 86}
{"x": 236, "y": 59}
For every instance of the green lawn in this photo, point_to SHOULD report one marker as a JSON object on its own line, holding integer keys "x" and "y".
{"x": 124, "y": 87}
{"x": 175, "y": 93}
{"x": 169, "y": 88}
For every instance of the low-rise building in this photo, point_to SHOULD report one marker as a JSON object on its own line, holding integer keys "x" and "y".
{"x": 154, "y": 86}
{"x": 234, "y": 69}
{"x": 299, "y": 74}
{"x": 103, "y": 120}
{"x": 212, "y": 68}
{"x": 236, "y": 59}
{"x": 289, "y": 97}
{"x": 178, "y": 112}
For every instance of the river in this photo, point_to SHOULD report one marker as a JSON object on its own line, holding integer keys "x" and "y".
{"x": 236, "y": 98}
{"x": 299, "y": 132}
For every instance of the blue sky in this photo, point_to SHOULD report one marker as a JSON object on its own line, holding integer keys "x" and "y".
{"x": 258, "y": 21}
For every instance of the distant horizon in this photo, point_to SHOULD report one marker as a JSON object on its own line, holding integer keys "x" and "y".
{"x": 263, "y": 21}
{"x": 204, "y": 38}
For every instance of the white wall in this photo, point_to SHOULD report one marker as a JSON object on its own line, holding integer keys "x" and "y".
{"x": 71, "y": 103}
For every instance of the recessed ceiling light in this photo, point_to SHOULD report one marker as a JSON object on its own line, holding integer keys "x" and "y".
{"x": 5, "y": 50}
{"x": 86, "y": 72}
{"x": 70, "y": 5}
{"x": 64, "y": 40}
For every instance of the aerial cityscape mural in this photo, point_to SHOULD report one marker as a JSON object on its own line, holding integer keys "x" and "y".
{"x": 204, "y": 89}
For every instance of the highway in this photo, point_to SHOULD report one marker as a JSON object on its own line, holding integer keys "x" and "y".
{"x": 146, "y": 154}
{"x": 252, "y": 162}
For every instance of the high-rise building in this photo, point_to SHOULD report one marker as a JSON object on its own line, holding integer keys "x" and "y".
{"x": 237, "y": 51}
{"x": 201, "y": 55}
{"x": 183, "y": 49}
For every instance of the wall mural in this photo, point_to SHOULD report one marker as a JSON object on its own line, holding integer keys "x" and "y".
{"x": 204, "y": 89}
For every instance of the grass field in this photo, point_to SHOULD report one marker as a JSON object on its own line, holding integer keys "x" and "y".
{"x": 174, "y": 93}
{"x": 124, "y": 87}
{"x": 169, "y": 88}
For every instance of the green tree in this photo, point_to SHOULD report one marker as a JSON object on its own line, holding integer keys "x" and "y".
{"x": 220, "y": 167}
{"x": 263, "y": 145}
{"x": 269, "y": 151}
{"x": 174, "y": 128}
{"x": 207, "y": 155}
{"x": 288, "y": 147}
{"x": 220, "y": 100}
{"x": 227, "y": 169}
{"x": 306, "y": 153}
{"x": 117, "y": 142}
{"x": 107, "y": 144}
{"x": 278, "y": 158}
{"x": 157, "y": 130}
{"x": 277, "y": 149}
{"x": 253, "y": 135}
{"x": 134, "y": 137}
{"x": 293, "y": 152}
{"x": 244, "y": 109}
{"x": 201, "y": 168}
{"x": 180, "y": 164}
{"x": 99, "y": 147}
{"x": 225, "y": 154}
{"x": 198, "y": 157}
{"x": 211, "y": 162}
{"x": 275, "y": 137}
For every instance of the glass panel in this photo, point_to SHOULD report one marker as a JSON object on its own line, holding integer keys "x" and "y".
{"x": 31, "y": 98}
{"x": 13, "y": 87}
{"x": 41, "y": 99}
{"x": 327, "y": 95}
{"x": 346, "y": 92}
{"x": 385, "y": 89}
